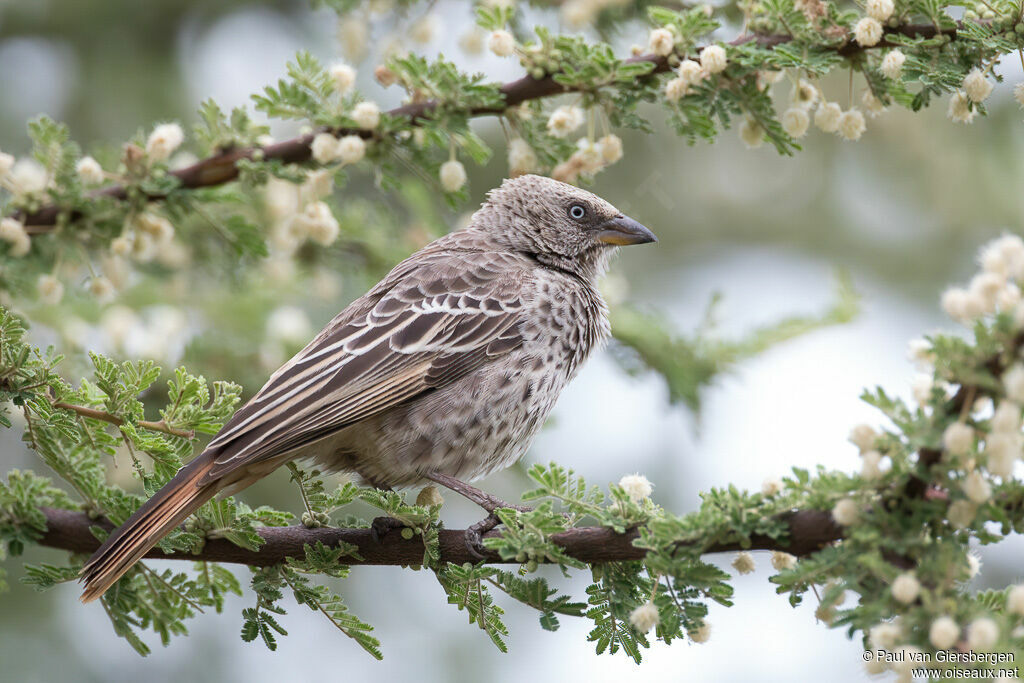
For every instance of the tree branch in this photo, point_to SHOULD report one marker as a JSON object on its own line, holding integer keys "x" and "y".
{"x": 223, "y": 167}
{"x": 809, "y": 530}
{"x": 158, "y": 426}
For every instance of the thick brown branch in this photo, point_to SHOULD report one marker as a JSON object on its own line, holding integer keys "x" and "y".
{"x": 809, "y": 530}
{"x": 158, "y": 426}
{"x": 223, "y": 167}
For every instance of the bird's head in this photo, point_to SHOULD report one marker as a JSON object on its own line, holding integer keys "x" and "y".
{"x": 559, "y": 224}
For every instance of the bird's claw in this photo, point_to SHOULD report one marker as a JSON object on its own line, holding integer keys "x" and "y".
{"x": 382, "y": 526}
{"x": 475, "y": 535}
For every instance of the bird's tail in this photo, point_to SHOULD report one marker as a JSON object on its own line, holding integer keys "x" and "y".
{"x": 168, "y": 508}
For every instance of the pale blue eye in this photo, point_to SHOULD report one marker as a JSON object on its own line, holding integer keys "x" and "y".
{"x": 577, "y": 212}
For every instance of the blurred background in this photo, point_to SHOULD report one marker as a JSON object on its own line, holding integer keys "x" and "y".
{"x": 903, "y": 211}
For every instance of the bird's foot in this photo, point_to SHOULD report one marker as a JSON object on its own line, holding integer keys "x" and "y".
{"x": 475, "y": 533}
{"x": 381, "y": 526}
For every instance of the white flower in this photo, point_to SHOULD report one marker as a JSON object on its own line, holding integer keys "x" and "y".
{"x": 906, "y": 588}
{"x": 982, "y": 634}
{"x": 324, "y": 148}
{"x": 452, "y": 175}
{"x": 892, "y": 64}
{"x": 871, "y": 465}
{"x": 565, "y": 120}
{"x": 960, "y": 305}
{"x": 1002, "y": 451}
{"x": 958, "y": 438}
{"x": 884, "y": 636}
{"x": 344, "y": 77}
{"x": 782, "y": 561}
{"x": 1008, "y": 297}
{"x": 101, "y": 288}
{"x": 752, "y": 133}
{"x": 863, "y": 436}
{"x": 352, "y": 33}
{"x": 985, "y": 286}
{"x": 691, "y": 72}
{"x": 827, "y": 116}
{"x": 771, "y": 486}
{"x": 1013, "y": 382}
{"x": 1006, "y": 418}
{"x": 1015, "y": 600}
{"x": 26, "y": 176}
{"x": 851, "y": 124}
{"x": 51, "y": 290}
{"x": 501, "y": 43}
{"x": 795, "y": 122}
{"x": 316, "y": 222}
{"x": 675, "y": 89}
{"x": 880, "y": 9}
{"x": 867, "y": 32}
{"x": 661, "y": 42}
{"x": 961, "y": 513}
{"x": 423, "y": 31}
{"x": 977, "y": 488}
{"x": 611, "y": 148}
{"x": 521, "y": 157}
{"x": 89, "y": 171}
{"x": 943, "y": 633}
{"x": 922, "y": 387}
{"x": 743, "y": 562}
{"x": 920, "y": 351}
{"x": 959, "y": 110}
{"x": 872, "y": 105}
{"x": 122, "y": 246}
{"x": 289, "y": 325}
{"x": 636, "y": 486}
{"x": 13, "y": 232}
{"x": 588, "y": 156}
{"x": 472, "y": 41}
{"x": 874, "y": 663}
{"x": 846, "y": 512}
{"x": 977, "y": 87}
{"x": 351, "y": 149}
{"x": 164, "y": 139}
{"x": 804, "y": 94}
{"x": 366, "y": 115}
{"x": 702, "y": 634}
{"x": 714, "y": 59}
{"x": 645, "y": 617}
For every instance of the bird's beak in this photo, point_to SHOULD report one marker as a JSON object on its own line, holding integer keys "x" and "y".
{"x": 622, "y": 231}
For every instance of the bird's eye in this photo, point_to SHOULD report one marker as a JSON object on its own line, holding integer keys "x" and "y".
{"x": 577, "y": 211}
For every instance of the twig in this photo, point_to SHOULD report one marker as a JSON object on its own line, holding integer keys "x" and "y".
{"x": 158, "y": 426}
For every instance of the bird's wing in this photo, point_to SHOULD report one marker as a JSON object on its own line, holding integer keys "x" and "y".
{"x": 424, "y": 327}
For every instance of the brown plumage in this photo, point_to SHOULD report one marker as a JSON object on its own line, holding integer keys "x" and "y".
{"x": 449, "y": 365}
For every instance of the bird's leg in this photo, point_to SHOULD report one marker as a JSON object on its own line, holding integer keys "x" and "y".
{"x": 475, "y": 533}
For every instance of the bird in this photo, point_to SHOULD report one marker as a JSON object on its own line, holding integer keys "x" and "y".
{"x": 444, "y": 371}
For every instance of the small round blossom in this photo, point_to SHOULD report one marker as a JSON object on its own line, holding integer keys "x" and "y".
{"x": 318, "y": 223}
{"x": 13, "y": 232}
{"x": 352, "y": 33}
{"x": 986, "y": 287}
{"x": 452, "y": 175}
{"x": 973, "y": 565}
{"x": 691, "y": 72}
{"x": 89, "y": 171}
{"x": 1002, "y": 451}
{"x": 51, "y": 290}
{"x": 101, "y": 288}
{"x": 982, "y": 634}
{"x": 874, "y": 663}
{"x": 661, "y": 42}
{"x": 977, "y": 488}
{"x": 1015, "y": 600}
{"x": 752, "y": 133}
{"x": 344, "y": 77}
{"x": 880, "y": 9}
{"x": 846, "y": 512}
{"x": 636, "y": 486}
{"x": 1013, "y": 382}
{"x": 714, "y": 59}
{"x": 863, "y": 436}
{"x": 324, "y": 148}
{"x": 351, "y": 149}
{"x": 961, "y": 513}
{"x": 922, "y": 388}
{"x": 920, "y": 351}
{"x": 959, "y": 305}
{"x": 521, "y": 157}
{"x": 472, "y": 41}
{"x": 565, "y": 120}
{"x": 675, "y": 89}
{"x": 827, "y": 116}
{"x": 867, "y": 32}
{"x": 795, "y": 122}
{"x": 892, "y": 64}
{"x": 885, "y": 636}
{"x": 872, "y": 105}
{"x": 771, "y": 486}
{"x": 958, "y": 438}
{"x": 1008, "y": 297}
{"x": 27, "y": 176}
{"x": 162, "y": 142}
{"x": 943, "y": 633}
{"x": 588, "y": 156}
{"x": 976, "y": 86}
{"x": 423, "y": 31}
{"x": 385, "y": 76}
{"x": 366, "y": 115}
{"x": 959, "y": 110}
{"x": 611, "y": 148}
{"x": 1006, "y": 418}
{"x": 123, "y": 245}
{"x": 645, "y": 617}
{"x": 871, "y": 465}
{"x": 906, "y": 588}
{"x": 782, "y": 561}
{"x": 501, "y": 43}
{"x": 744, "y": 562}
{"x": 851, "y": 125}
{"x": 701, "y": 634}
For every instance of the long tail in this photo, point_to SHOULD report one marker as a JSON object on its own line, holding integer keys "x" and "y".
{"x": 171, "y": 505}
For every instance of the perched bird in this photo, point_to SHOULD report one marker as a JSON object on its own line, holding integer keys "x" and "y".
{"x": 444, "y": 371}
